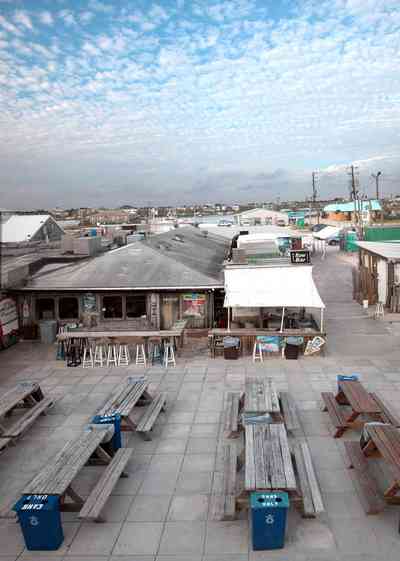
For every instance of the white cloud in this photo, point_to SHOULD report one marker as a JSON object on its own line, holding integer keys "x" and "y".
{"x": 86, "y": 17}
{"x": 46, "y": 18}
{"x": 8, "y": 26}
{"x": 67, "y": 16}
{"x": 100, "y": 6}
{"x": 22, "y": 18}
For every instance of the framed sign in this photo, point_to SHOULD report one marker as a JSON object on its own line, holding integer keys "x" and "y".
{"x": 8, "y": 316}
{"x": 194, "y": 305}
{"x": 300, "y": 256}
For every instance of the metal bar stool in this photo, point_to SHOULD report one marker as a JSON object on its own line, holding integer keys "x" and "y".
{"x": 112, "y": 354}
{"x": 88, "y": 355}
{"x": 124, "y": 357}
{"x": 141, "y": 354}
{"x": 155, "y": 350}
{"x": 169, "y": 355}
{"x": 100, "y": 352}
{"x": 257, "y": 352}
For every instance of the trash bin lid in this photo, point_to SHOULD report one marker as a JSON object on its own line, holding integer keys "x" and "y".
{"x": 277, "y": 499}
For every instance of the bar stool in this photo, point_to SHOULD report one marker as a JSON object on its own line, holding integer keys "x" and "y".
{"x": 169, "y": 355}
{"x": 88, "y": 358}
{"x": 141, "y": 355}
{"x": 155, "y": 351}
{"x": 379, "y": 310}
{"x": 112, "y": 354}
{"x": 124, "y": 356}
{"x": 257, "y": 352}
{"x": 100, "y": 352}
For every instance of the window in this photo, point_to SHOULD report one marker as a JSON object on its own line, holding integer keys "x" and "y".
{"x": 45, "y": 308}
{"x": 112, "y": 307}
{"x": 136, "y": 306}
{"x": 68, "y": 308}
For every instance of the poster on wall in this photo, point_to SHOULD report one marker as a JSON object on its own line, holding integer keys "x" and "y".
{"x": 8, "y": 316}
{"x": 89, "y": 302}
{"x": 194, "y": 305}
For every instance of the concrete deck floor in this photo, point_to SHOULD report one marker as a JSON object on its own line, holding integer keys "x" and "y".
{"x": 161, "y": 512}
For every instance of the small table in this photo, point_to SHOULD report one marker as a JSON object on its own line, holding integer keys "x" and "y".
{"x": 24, "y": 394}
{"x": 57, "y": 476}
{"x": 353, "y": 393}
{"x": 385, "y": 443}
{"x": 260, "y": 396}
{"x": 268, "y": 463}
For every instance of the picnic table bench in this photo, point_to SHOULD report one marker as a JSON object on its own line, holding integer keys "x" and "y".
{"x": 25, "y": 395}
{"x": 353, "y": 394}
{"x": 57, "y": 477}
{"x": 124, "y": 398}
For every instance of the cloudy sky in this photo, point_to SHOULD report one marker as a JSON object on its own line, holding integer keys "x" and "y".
{"x": 173, "y": 101}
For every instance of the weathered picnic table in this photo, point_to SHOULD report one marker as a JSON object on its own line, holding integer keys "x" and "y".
{"x": 124, "y": 398}
{"x": 56, "y": 478}
{"x": 353, "y": 394}
{"x": 261, "y": 396}
{"x": 25, "y": 395}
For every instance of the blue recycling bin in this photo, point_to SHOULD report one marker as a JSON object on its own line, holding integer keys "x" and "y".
{"x": 40, "y": 520}
{"x": 346, "y": 378}
{"x": 268, "y": 514}
{"x": 109, "y": 420}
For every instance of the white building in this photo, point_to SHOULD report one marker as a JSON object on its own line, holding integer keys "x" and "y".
{"x": 261, "y": 216}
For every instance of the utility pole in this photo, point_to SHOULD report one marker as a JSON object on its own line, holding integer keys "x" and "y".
{"x": 376, "y": 176}
{"x": 355, "y": 194}
{"x": 314, "y": 194}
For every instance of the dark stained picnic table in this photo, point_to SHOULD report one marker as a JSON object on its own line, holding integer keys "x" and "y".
{"x": 385, "y": 442}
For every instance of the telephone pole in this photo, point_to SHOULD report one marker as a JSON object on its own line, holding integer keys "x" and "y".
{"x": 376, "y": 176}
{"x": 314, "y": 194}
{"x": 355, "y": 194}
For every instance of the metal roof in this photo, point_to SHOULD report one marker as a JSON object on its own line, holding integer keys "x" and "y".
{"x": 181, "y": 258}
{"x": 22, "y": 227}
{"x": 387, "y": 250}
{"x": 349, "y": 207}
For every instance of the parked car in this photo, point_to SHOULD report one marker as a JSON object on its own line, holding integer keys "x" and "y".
{"x": 335, "y": 240}
{"x": 318, "y": 227}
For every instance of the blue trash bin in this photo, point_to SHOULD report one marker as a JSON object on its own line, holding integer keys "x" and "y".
{"x": 268, "y": 514}
{"x": 109, "y": 420}
{"x": 40, "y": 520}
{"x": 346, "y": 378}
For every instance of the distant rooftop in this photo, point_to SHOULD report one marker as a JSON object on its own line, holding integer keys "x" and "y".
{"x": 22, "y": 227}
{"x": 350, "y": 206}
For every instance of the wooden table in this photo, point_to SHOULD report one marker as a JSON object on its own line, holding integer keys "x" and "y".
{"x": 24, "y": 394}
{"x": 57, "y": 476}
{"x": 124, "y": 398}
{"x": 260, "y": 396}
{"x": 268, "y": 462}
{"x": 385, "y": 443}
{"x": 353, "y": 393}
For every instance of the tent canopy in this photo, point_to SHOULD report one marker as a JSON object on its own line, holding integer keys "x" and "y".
{"x": 270, "y": 287}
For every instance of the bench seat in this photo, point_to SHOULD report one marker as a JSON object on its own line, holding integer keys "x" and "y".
{"x": 97, "y": 499}
{"x": 387, "y": 415}
{"x": 28, "y": 418}
{"x": 335, "y": 413}
{"x": 364, "y": 483}
{"x": 223, "y": 506}
{"x": 290, "y": 413}
{"x": 312, "y": 499}
{"x": 233, "y": 404}
{"x": 149, "y": 417}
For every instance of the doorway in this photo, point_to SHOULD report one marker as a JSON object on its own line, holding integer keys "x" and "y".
{"x": 169, "y": 310}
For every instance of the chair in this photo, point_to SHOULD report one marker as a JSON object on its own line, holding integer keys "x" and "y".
{"x": 124, "y": 357}
{"x": 257, "y": 352}
{"x": 169, "y": 355}
{"x": 100, "y": 352}
{"x": 155, "y": 351}
{"x": 140, "y": 355}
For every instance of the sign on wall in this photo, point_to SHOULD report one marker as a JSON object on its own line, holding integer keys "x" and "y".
{"x": 300, "y": 256}
{"x": 89, "y": 302}
{"x": 194, "y": 305}
{"x": 8, "y": 316}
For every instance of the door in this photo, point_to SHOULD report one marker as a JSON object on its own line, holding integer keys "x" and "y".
{"x": 169, "y": 310}
{"x": 382, "y": 281}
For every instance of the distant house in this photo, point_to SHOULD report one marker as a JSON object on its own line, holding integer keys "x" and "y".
{"x": 346, "y": 212}
{"x": 261, "y": 217}
{"x": 30, "y": 228}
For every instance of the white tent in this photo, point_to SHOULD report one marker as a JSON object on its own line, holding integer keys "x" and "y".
{"x": 327, "y": 232}
{"x": 272, "y": 287}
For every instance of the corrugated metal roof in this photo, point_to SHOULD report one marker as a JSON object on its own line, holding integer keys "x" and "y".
{"x": 387, "y": 250}
{"x": 179, "y": 258}
{"x": 349, "y": 207}
{"x": 22, "y": 227}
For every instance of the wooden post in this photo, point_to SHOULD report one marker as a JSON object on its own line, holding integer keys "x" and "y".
{"x": 229, "y": 318}
{"x": 283, "y": 316}
{"x": 322, "y": 320}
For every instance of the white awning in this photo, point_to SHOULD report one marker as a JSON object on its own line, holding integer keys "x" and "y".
{"x": 269, "y": 287}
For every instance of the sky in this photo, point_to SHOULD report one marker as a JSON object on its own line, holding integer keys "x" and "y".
{"x": 180, "y": 101}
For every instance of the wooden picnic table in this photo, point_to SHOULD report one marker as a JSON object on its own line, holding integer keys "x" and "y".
{"x": 385, "y": 442}
{"x": 124, "y": 398}
{"x": 268, "y": 462}
{"x": 353, "y": 393}
{"x": 57, "y": 476}
{"x": 260, "y": 396}
{"x": 26, "y": 394}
